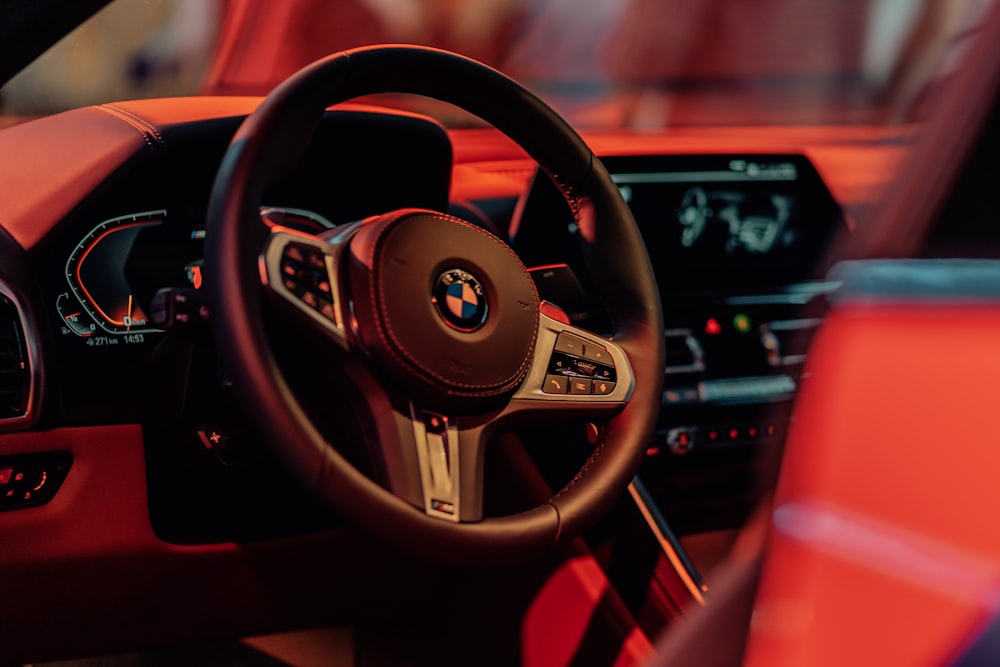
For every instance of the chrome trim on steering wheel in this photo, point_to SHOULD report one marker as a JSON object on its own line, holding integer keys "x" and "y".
{"x": 436, "y": 439}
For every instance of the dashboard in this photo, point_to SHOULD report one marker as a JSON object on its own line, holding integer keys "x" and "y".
{"x": 133, "y": 431}
{"x": 734, "y": 239}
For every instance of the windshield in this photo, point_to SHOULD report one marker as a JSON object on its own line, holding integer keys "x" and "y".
{"x": 634, "y": 64}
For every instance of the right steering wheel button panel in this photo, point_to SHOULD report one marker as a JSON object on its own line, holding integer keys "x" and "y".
{"x": 579, "y": 367}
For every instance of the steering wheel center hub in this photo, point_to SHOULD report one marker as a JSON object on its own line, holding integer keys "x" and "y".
{"x": 446, "y": 309}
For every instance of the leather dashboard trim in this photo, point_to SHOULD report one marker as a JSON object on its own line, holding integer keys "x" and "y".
{"x": 48, "y": 166}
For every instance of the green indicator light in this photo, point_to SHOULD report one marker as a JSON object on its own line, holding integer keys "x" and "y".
{"x": 742, "y": 323}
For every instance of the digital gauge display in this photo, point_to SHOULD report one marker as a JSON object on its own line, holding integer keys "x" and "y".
{"x": 118, "y": 265}
{"x": 104, "y": 302}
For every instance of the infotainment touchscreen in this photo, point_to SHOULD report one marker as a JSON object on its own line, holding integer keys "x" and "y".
{"x": 714, "y": 221}
{"x": 746, "y": 208}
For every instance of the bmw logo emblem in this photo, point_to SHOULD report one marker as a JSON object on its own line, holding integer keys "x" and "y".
{"x": 460, "y": 300}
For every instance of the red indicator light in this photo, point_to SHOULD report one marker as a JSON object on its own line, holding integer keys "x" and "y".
{"x": 713, "y": 435}
{"x": 712, "y": 326}
{"x": 652, "y": 451}
{"x": 5, "y": 475}
{"x": 734, "y": 434}
{"x": 196, "y": 279}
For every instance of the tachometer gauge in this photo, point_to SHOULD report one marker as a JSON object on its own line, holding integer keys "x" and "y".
{"x": 96, "y": 275}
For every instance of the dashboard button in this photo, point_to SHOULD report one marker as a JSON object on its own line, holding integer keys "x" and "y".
{"x": 32, "y": 479}
{"x": 580, "y": 386}
{"x": 680, "y": 396}
{"x": 680, "y": 440}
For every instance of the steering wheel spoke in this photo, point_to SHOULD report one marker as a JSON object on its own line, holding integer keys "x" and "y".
{"x": 450, "y": 461}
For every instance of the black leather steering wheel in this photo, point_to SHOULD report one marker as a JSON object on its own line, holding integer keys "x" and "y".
{"x": 438, "y": 320}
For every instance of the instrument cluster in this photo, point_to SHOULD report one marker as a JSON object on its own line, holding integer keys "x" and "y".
{"x": 115, "y": 269}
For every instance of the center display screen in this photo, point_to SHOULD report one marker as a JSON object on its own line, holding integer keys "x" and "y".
{"x": 719, "y": 221}
{"x": 729, "y": 221}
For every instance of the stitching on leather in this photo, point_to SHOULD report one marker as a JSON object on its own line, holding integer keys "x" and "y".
{"x": 140, "y": 122}
{"x": 661, "y": 591}
{"x": 566, "y": 188}
{"x": 493, "y": 388}
{"x": 665, "y": 589}
{"x": 496, "y": 388}
{"x": 146, "y": 136}
{"x": 149, "y": 133}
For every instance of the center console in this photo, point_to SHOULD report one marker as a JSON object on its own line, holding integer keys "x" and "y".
{"x": 735, "y": 241}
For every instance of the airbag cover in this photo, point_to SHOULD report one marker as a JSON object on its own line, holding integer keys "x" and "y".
{"x": 445, "y": 309}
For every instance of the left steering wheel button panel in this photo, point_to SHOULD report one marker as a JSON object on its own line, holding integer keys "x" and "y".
{"x": 304, "y": 274}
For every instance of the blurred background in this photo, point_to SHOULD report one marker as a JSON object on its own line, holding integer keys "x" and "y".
{"x": 637, "y": 64}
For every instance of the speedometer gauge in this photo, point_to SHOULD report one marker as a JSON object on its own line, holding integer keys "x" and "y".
{"x": 96, "y": 275}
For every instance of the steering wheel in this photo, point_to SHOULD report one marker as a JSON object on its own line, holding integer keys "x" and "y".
{"x": 436, "y": 322}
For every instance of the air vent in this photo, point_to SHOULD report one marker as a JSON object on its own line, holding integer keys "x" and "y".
{"x": 684, "y": 353}
{"x": 788, "y": 340}
{"x": 15, "y": 374}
